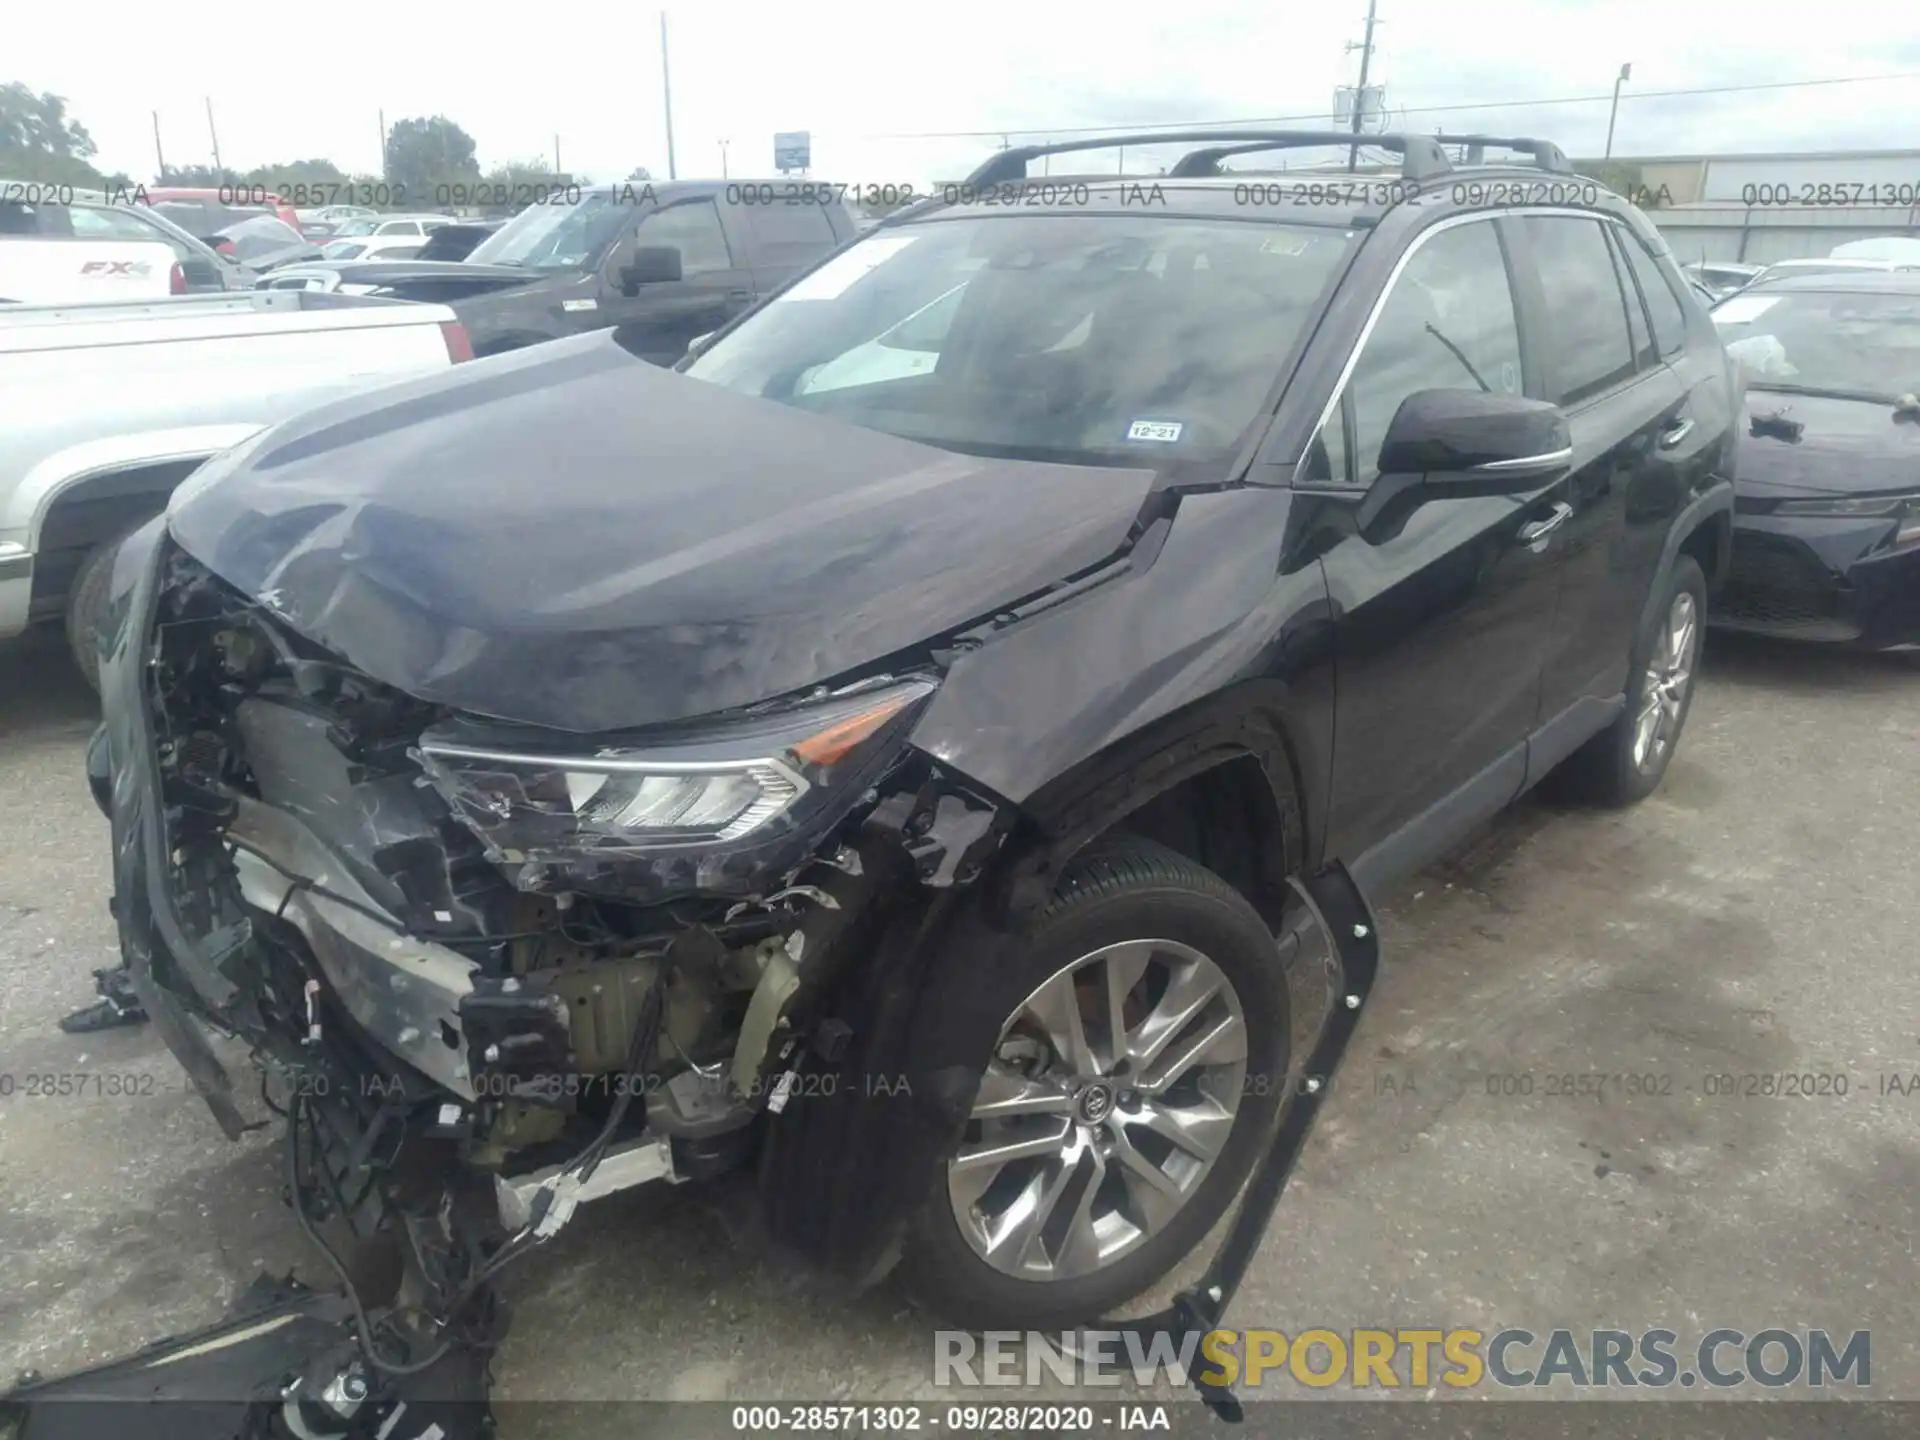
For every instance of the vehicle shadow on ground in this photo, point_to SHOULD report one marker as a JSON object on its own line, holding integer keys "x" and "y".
{"x": 1803, "y": 668}
{"x": 40, "y": 687}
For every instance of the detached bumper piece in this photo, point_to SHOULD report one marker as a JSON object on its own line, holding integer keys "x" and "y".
{"x": 1791, "y": 580}
{"x": 1337, "y": 907}
{"x": 283, "y": 1365}
{"x": 1778, "y": 586}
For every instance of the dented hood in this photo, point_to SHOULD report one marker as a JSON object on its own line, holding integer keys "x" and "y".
{"x": 570, "y": 537}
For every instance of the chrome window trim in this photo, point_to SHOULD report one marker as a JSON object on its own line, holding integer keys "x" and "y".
{"x": 1386, "y": 293}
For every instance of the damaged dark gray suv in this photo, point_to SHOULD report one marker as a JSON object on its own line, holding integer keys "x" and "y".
{"x": 878, "y": 754}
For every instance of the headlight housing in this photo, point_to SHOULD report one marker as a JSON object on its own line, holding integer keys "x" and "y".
{"x": 1905, "y": 508}
{"x": 715, "y": 787}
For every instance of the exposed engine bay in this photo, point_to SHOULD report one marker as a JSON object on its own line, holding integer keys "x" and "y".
{"x": 474, "y": 997}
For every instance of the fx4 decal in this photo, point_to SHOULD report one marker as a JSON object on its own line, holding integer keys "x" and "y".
{"x": 116, "y": 267}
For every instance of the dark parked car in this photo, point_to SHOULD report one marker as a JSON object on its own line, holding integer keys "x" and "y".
{"x": 879, "y": 750}
{"x": 1827, "y": 525}
{"x": 456, "y": 242}
{"x": 663, "y": 262}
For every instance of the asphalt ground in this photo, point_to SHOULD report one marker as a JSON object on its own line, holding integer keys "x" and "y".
{"x": 1726, "y": 958}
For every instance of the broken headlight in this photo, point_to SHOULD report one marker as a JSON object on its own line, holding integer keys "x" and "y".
{"x": 720, "y": 784}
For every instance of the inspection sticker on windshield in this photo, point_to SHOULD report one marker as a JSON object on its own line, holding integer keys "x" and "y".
{"x": 1164, "y": 431}
{"x": 839, "y": 274}
{"x": 1742, "y": 308}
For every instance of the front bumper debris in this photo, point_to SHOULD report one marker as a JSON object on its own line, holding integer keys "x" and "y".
{"x": 1819, "y": 578}
{"x": 279, "y": 1366}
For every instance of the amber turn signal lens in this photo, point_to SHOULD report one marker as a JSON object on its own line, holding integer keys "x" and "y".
{"x": 832, "y": 744}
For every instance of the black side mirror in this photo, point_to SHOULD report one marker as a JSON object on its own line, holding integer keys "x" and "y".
{"x": 650, "y": 265}
{"x": 1471, "y": 439}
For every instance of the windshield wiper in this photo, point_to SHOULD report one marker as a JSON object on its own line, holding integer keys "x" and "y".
{"x": 1459, "y": 355}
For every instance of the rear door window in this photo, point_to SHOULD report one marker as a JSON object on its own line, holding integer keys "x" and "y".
{"x": 104, "y": 222}
{"x": 1669, "y": 320}
{"x": 17, "y": 217}
{"x": 786, "y": 234}
{"x": 1642, "y": 337}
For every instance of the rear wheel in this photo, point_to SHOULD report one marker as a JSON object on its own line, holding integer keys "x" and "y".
{"x": 1133, "y": 1080}
{"x": 1624, "y": 763}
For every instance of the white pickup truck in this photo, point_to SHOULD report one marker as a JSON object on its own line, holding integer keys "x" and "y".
{"x": 105, "y": 408}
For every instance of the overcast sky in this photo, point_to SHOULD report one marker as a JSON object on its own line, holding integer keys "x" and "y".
{"x": 850, "y": 71}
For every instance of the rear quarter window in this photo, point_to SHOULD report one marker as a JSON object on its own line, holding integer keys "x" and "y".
{"x": 787, "y": 234}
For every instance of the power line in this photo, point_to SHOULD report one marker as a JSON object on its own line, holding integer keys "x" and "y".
{"x": 1320, "y": 116}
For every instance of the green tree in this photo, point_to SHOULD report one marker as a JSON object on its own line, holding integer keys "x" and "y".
{"x": 506, "y": 188}
{"x": 424, "y": 155}
{"x": 39, "y": 142}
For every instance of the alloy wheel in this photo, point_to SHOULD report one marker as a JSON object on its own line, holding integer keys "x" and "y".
{"x": 1112, "y": 1090}
{"x": 1664, "y": 691}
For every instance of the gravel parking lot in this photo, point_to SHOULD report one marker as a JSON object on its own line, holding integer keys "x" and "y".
{"x": 1758, "y": 917}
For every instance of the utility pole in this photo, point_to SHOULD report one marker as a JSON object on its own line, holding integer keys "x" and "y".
{"x": 383, "y": 144}
{"x": 666, "y": 90}
{"x": 1626, "y": 74}
{"x": 724, "y": 142}
{"x": 218, "y": 168}
{"x": 1365, "y": 47}
{"x": 159, "y": 155}
{"x": 556, "y": 156}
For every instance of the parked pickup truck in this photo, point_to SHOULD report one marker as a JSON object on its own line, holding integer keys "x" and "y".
{"x": 660, "y": 262}
{"x": 105, "y": 408}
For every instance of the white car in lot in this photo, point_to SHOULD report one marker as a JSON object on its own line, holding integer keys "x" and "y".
{"x": 374, "y": 247}
{"x": 416, "y": 227}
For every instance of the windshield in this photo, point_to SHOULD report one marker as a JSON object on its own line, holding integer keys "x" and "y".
{"x": 555, "y": 235}
{"x": 361, "y": 226}
{"x": 1828, "y": 342}
{"x": 342, "y": 249}
{"x": 1086, "y": 338}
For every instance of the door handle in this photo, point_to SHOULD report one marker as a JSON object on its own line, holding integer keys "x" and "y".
{"x": 1671, "y": 438}
{"x": 1535, "y": 533}
{"x": 739, "y": 296}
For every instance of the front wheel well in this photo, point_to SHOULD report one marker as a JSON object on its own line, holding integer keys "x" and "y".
{"x": 1228, "y": 819}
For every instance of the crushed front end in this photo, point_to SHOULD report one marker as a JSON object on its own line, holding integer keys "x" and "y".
{"x": 489, "y": 972}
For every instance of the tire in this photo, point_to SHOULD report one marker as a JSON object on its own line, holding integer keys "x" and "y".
{"x": 1128, "y": 890}
{"x": 1610, "y": 769}
{"x": 87, "y": 607}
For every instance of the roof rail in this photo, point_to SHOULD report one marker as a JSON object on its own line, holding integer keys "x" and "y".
{"x": 1545, "y": 154}
{"x": 1421, "y": 155}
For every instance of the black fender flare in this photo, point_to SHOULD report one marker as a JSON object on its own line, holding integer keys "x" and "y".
{"x": 1245, "y": 720}
{"x": 1716, "y": 499}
